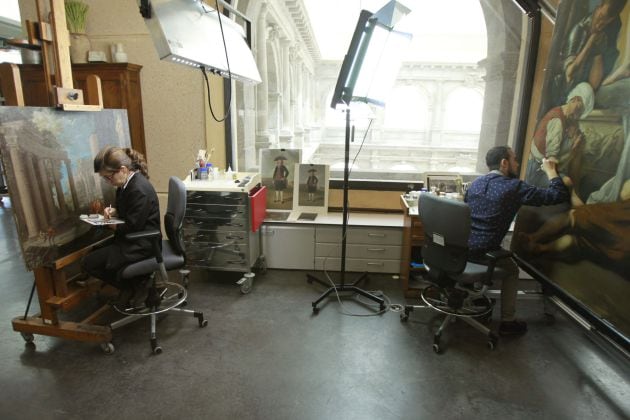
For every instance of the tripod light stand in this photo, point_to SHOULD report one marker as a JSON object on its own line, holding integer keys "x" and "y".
{"x": 367, "y": 73}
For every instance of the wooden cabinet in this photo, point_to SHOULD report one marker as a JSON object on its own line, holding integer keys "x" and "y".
{"x": 120, "y": 83}
{"x": 413, "y": 239}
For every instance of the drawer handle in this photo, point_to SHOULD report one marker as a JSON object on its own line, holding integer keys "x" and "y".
{"x": 376, "y": 235}
{"x": 376, "y": 249}
{"x": 234, "y": 224}
{"x": 375, "y": 263}
{"x": 240, "y": 238}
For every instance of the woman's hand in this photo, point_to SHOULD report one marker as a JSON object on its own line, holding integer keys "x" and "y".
{"x": 109, "y": 212}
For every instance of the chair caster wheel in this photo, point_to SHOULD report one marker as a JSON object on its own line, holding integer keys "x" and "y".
{"x": 493, "y": 340}
{"x": 246, "y": 283}
{"x": 436, "y": 344}
{"x": 108, "y": 348}
{"x": 404, "y": 317}
{"x": 28, "y": 337}
{"x": 315, "y": 310}
{"x": 154, "y": 347}
{"x": 202, "y": 322}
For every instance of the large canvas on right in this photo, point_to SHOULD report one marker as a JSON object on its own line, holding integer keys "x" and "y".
{"x": 584, "y": 124}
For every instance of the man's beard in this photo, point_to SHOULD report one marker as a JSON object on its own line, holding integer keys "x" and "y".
{"x": 512, "y": 174}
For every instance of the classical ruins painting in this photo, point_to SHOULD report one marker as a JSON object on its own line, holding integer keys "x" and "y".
{"x": 48, "y": 158}
{"x": 584, "y": 124}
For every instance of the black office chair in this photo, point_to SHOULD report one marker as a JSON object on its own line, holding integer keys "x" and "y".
{"x": 457, "y": 286}
{"x": 163, "y": 296}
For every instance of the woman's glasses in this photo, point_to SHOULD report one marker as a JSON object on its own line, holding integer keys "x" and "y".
{"x": 110, "y": 175}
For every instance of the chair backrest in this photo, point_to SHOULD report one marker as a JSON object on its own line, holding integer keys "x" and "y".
{"x": 175, "y": 210}
{"x": 446, "y": 224}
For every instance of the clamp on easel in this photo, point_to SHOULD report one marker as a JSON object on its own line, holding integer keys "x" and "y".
{"x": 53, "y": 39}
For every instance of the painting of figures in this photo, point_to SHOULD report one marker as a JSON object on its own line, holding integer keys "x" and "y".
{"x": 584, "y": 126}
{"x": 277, "y": 174}
{"x": 311, "y": 189}
{"x": 48, "y": 159}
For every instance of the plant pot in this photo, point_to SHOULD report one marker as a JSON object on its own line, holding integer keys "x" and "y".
{"x": 79, "y": 48}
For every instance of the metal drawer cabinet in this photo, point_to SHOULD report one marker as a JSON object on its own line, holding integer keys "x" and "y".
{"x": 218, "y": 234}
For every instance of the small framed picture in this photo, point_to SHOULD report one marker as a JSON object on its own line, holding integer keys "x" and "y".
{"x": 442, "y": 183}
{"x": 310, "y": 192}
{"x": 277, "y": 174}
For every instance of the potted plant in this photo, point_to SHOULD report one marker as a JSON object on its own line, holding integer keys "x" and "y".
{"x": 76, "y": 21}
{"x": 76, "y": 16}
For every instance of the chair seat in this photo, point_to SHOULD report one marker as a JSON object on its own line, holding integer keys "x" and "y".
{"x": 476, "y": 273}
{"x": 172, "y": 260}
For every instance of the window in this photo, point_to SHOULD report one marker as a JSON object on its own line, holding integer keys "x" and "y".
{"x": 434, "y": 119}
{"x": 10, "y": 27}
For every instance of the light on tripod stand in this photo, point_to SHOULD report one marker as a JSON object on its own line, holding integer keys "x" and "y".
{"x": 367, "y": 74}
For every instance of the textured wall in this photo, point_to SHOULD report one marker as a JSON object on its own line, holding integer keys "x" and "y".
{"x": 173, "y": 98}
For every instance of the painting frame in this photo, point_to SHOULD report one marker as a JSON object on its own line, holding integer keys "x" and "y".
{"x": 587, "y": 260}
{"x": 315, "y": 198}
{"x": 275, "y": 162}
{"x": 48, "y": 156}
{"x": 442, "y": 182}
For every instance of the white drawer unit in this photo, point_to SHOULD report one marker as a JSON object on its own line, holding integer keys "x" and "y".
{"x": 289, "y": 246}
{"x": 368, "y": 248}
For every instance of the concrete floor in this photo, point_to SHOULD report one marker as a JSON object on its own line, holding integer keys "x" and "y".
{"x": 266, "y": 356}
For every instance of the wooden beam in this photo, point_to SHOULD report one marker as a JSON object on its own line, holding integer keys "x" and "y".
{"x": 70, "y": 330}
{"x": 11, "y": 84}
{"x": 61, "y": 44}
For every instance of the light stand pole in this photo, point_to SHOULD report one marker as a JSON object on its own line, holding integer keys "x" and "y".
{"x": 369, "y": 67}
{"x": 342, "y": 286}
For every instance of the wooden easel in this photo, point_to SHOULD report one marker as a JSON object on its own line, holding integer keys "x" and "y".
{"x": 55, "y": 289}
{"x": 53, "y": 40}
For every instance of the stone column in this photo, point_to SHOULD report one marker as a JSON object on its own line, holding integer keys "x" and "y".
{"x": 498, "y": 98}
{"x": 22, "y": 195}
{"x": 61, "y": 200}
{"x": 47, "y": 199}
{"x": 73, "y": 188}
{"x": 297, "y": 104}
{"x": 262, "y": 89}
{"x": 505, "y": 23}
{"x": 286, "y": 133}
{"x": 35, "y": 189}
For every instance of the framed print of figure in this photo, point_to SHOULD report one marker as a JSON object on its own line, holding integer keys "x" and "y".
{"x": 310, "y": 192}
{"x": 276, "y": 173}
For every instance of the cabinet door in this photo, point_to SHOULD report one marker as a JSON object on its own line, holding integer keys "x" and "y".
{"x": 289, "y": 247}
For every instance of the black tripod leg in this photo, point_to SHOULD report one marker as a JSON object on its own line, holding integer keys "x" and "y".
{"x": 368, "y": 295}
{"x": 363, "y": 276}
{"x": 310, "y": 279}
{"x": 322, "y": 297}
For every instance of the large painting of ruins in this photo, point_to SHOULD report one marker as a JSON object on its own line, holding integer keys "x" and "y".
{"x": 48, "y": 159}
{"x": 584, "y": 123}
